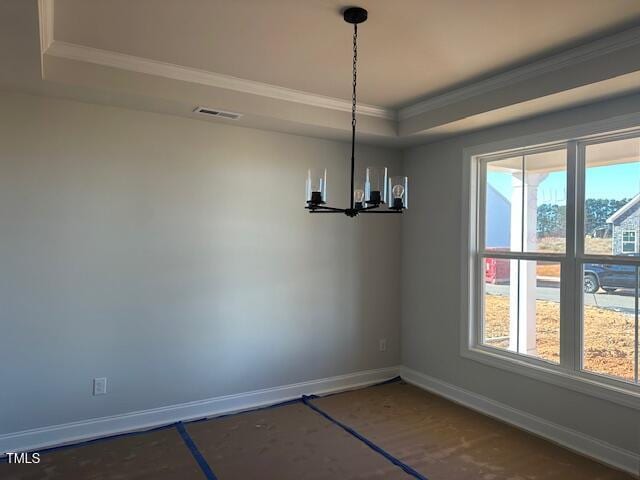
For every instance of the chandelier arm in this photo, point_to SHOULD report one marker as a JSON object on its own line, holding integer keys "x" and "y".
{"x": 381, "y": 211}
{"x": 324, "y": 208}
{"x": 372, "y": 207}
{"x": 327, "y": 211}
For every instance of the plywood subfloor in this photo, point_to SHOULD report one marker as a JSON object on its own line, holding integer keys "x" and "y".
{"x": 439, "y": 439}
{"x": 156, "y": 455}
{"x": 287, "y": 443}
{"x": 445, "y": 441}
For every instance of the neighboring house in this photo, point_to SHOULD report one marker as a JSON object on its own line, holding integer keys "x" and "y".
{"x": 498, "y": 223}
{"x": 498, "y": 235}
{"x": 626, "y": 227}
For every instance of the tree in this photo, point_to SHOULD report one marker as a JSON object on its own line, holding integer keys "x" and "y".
{"x": 598, "y": 210}
{"x": 552, "y": 217}
{"x": 551, "y": 220}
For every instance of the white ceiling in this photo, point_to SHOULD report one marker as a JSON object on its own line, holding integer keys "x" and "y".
{"x": 285, "y": 64}
{"x": 408, "y": 49}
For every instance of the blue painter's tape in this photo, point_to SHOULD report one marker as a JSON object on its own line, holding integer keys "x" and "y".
{"x": 191, "y": 445}
{"x": 84, "y": 443}
{"x": 171, "y": 425}
{"x": 307, "y": 401}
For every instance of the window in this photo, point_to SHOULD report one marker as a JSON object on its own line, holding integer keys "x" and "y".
{"x": 629, "y": 241}
{"x": 555, "y": 270}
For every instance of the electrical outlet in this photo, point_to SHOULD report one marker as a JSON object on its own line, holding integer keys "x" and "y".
{"x": 382, "y": 344}
{"x": 100, "y": 386}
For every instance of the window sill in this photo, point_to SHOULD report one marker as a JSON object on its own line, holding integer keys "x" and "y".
{"x": 628, "y": 396}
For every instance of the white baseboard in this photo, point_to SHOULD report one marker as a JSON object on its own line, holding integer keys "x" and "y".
{"x": 571, "y": 439}
{"x": 68, "y": 433}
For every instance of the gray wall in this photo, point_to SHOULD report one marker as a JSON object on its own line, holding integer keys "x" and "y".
{"x": 174, "y": 257}
{"x": 431, "y": 286}
{"x": 171, "y": 256}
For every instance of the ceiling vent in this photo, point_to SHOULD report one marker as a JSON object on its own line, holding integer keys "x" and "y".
{"x": 212, "y": 112}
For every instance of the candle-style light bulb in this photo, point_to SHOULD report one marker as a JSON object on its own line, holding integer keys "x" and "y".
{"x": 398, "y": 191}
{"x": 398, "y": 196}
{"x": 358, "y": 198}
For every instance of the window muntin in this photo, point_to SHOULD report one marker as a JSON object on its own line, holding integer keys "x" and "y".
{"x": 548, "y": 237}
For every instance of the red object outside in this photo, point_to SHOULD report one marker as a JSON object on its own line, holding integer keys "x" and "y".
{"x": 497, "y": 270}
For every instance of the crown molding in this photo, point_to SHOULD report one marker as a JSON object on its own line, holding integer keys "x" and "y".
{"x": 177, "y": 72}
{"x": 568, "y": 58}
{"x": 45, "y": 23}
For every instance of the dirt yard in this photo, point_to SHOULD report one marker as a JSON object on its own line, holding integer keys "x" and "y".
{"x": 609, "y": 335}
{"x": 548, "y": 269}
{"x": 557, "y": 245}
{"x": 591, "y": 245}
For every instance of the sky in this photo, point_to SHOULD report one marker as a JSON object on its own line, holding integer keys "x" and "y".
{"x": 611, "y": 182}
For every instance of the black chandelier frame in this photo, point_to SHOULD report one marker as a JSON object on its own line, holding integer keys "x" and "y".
{"x": 354, "y": 16}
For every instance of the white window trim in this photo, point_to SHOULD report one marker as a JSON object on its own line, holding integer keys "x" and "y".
{"x": 634, "y": 242}
{"x": 563, "y": 375}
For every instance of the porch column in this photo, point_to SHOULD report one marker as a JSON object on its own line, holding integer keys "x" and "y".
{"x": 523, "y": 340}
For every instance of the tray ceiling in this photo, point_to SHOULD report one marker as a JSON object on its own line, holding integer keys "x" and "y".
{"x": 408, "y": 49}
{"x": 428, "y": 69}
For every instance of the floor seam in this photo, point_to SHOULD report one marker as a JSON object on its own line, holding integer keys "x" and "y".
{"x": 395, "y": 461}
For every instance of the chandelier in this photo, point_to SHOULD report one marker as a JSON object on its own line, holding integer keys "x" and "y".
{"x": 377, "y": 189}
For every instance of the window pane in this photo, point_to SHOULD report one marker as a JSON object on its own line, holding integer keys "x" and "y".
{"x": 612, "y": 200}
{"x": 499, "y": 307}
{"x": 532, "y": 211}
{"x": 522, "y": 307}
{"x": 498, "y": 197}
{"x": 609, "y": 320}
{"x": 545, "y": 218}
{"x": 547, "y": 311}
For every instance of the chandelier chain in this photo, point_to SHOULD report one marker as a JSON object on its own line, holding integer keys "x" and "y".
{"x": 353, "y": 114}
{"x": 355, "y": 75}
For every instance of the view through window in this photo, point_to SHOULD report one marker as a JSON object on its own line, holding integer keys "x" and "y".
{"x": 559, "y": 241}
{"x": 611, "y": 222}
